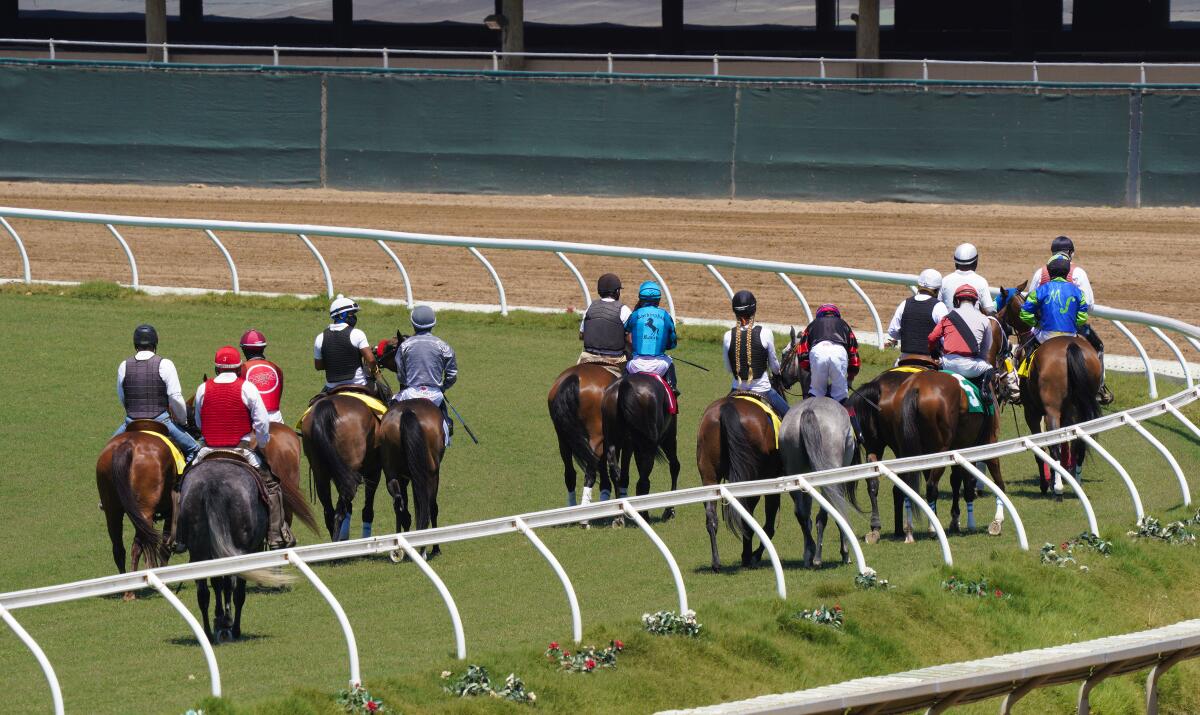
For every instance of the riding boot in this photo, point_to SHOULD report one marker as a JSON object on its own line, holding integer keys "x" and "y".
{"x": 854, "y": 423}
{"x": 670, "y": 378}
{"x": 1104, "y": 395}
{"x": 1014, "y": 386}
{"x": 446, "y": 419}
{"x": 279, "y": 536}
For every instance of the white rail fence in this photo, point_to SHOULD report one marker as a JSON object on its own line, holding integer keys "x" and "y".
{"x": 826, "y": 67}
{"x": 527, "y": 524}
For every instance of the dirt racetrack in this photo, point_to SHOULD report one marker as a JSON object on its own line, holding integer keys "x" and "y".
{"x": 1139, "y": 259}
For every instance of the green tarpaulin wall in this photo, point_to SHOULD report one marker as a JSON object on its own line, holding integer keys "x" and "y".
{"x": 501, "y": 134}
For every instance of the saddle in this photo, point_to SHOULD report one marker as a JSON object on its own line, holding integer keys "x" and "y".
{"x": 921, "y": 362}
{"x": 757, "y": 399}
{"x": 359, "y": 392}
{"x": 147, "y": 426}
{"x": 240, "y": 455}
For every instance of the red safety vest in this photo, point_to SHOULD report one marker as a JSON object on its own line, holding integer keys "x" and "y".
{"x": 224, "y": 420}
{"x": 1044, "y": 275}
{"x": 268, "y": 378}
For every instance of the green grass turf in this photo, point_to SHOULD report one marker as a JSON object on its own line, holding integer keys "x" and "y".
{"x": 62, "y": 348}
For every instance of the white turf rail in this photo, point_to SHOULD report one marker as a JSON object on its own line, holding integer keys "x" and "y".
{"x": 526, "y": 524}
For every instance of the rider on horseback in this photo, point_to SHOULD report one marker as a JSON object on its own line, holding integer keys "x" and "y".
{"x": 749, "y": 353}
{"x": 229, "y": 411}
{"x": 963, "y": 339}
{"x": 829, "y": 351}
{"x": 916, "y": 317}
{"x": 966, "y": 260}
{"x": 262, "y": 373}
{"x": 1057, "y": 307}
{"x": 651, "y": 334}
{"x": 342, "y": 350}
{"x": 1078, "y": 276}
{"x": 148, "y": 388}
{"x": 602, "y": 329}
{"x": 426, "y": 365}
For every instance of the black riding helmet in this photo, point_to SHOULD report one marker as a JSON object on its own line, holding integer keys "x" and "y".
{"x": 1059, "y": 266}
{"x": 145, "y": 336}
{"x": 743, "y": 303}
{"x": 608, "y": 284}
{"x": 1062, "y": 244}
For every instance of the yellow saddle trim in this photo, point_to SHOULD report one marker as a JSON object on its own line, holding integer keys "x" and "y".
{"x": 908, "y": 368}
{"x": 376, "y": 406}
{"x": 180, "y": 462}
{"x": 766, "y": 407}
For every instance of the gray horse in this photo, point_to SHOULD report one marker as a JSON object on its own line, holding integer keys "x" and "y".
{"x": 817, "y": 435}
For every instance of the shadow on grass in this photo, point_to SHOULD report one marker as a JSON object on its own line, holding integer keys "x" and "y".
{"x": 736, "y": 567}
{"x": 191, "y": 642}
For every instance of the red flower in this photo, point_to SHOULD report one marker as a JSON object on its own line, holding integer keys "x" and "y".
{"x": 999, "y": 593}
{"x": 566, "y": 654}
{"x": 838, "y": 608}
{"x": 372, "y": 706}
{"x": 589, "y": 664}
{"x": 618, "y": 645}
{"x": 554, "y": 645}
{"x": 1064, "y": 546}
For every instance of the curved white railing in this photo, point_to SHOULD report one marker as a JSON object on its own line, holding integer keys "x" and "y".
{"x": 525, "y": 524}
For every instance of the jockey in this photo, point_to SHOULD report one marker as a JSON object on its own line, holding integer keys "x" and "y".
{"x": 602, "y": 329}
{"x": 1078, "y": 276}
{"x": 749, "y": 352}
{"x": 916, "y": 317}
{"x": 651, "y": 334}
{"x": 829, "y": 350}
{"x": 148, "y": 388}
{"x": 1058, "y": 307}
{"x": 426, "y": 365}
{"x": 262, "y": 373}
{"x": 229, "y": 409}
{"x": 966, "y": 260}
{"x": 963, "y": 338}
{"x": 342, "y": 350}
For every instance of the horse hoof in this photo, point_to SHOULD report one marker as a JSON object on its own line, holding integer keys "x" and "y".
{"x": 396, "y": 555}
{"x": 668, "y": 513}
{"x": 952, "y": 530}
{"x": 618, "y": 522}
{"x": 872, "y": 536}
{"x": 994, "y": 528}
{"x": 1058, "y": 496}
{"x": 908, "y": 539}
{"x": 585, "y": 525}
{"x": 816, "y": 563}
{"x": 224, "y": 636}
{"x": 716, "y": 568}
{"x": 129, "y": 596}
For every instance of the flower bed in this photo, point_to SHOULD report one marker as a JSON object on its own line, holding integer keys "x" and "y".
{"x": 822, "y": 616}
{"x": 476, "y": 682}
{"x": 665, "y": 623}
{"x": 980, "y": 588}
{"x": 585, "y": 660}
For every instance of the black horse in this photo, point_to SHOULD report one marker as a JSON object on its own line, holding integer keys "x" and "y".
{"x": 221, "y": 514}
{"x": 638, "y": 424}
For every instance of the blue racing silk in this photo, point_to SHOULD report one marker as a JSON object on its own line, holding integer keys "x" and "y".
{"x": 651, "y": 331}
{"x": 1056, "y": 307}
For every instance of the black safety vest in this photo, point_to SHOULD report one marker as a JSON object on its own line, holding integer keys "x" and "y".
{"x": 342, "y": 360}
{"x": 603, "y": 331}
{"x": 145, "y": 391}
{"x": 750, "y": 362}
{"x": 916, "y": 323}
{"x": 829, "y": 327}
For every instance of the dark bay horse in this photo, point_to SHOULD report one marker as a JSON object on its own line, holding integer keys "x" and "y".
{"x": 221, "y": 514}
{"x": 637, "y": 425}
{"x": 340, "y": 441}
{"x": 736, "y": 443}
{"x": 575, "y": 409}
{"x": 1064, "y": 377}
{"x": 412, "y": 443}
{"x": 135, "y": 475}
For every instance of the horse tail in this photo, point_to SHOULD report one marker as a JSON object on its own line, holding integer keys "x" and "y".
{"x": 910, "y": 415}
{"x": 647, "y": 424}
{"x": 810, "y": 431}
{"x": 294, "y": 500}
{"x": 323, "y": 434}
{"x": 564, "y": 413}
{"x": 416, "y": 459}
{"x": 220, "y": 540}
{"x": 742, "y": 458}
{"x": 1080, "y": 393}
{"x": 144, "y": 531}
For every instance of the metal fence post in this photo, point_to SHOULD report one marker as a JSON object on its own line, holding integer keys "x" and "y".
{"x": 495, "y": 278}
{"x": 197, "y": 630}
{"x": 1075, "y": 486}
{"x": 923, "y": 506}
{"x": 338, "y": 611}
{"x": 51, "y": 48}
{"x": 275, "y": 55}
{"x": 563, "y": 578}
{"x": 1166, "y": 453}
{"x": 321, "y": 260}
{"x": 40, "y": 656}
{"x": 799, "y": 296}
{"x": 385, "y": 58}
{"x": 460, "y": 640}
{"x": 1104, "y": 453}
{"x": 233, "y": 272}
{"x": 663, "y": 283}
{"x": 1152, "y": 384}
{"x": 20, "y": 248}
{"x": 1022, "y": 538}
{"x": 662, "y": 549}
{"x": 871, "y": 307}
{"x": 587, "y": 295}
{"x": 748, "y": 518}
{"x": 720, "y": 279}
{"x": 843, "y": 525}
{"x": 1187, "y": 374}
{"x": 716, "y": 66}
{"x": 408, "y": 293}
{"x": 128, "y": 254}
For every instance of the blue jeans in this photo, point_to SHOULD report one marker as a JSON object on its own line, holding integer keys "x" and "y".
{"x": 184, "y": 441}
{"x": 778, "y": 402}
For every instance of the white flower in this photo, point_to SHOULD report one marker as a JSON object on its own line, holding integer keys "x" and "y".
{"x": 1083, "y": 569}
{"x": 446, "y": 674}
{"x": 532, "y": 698}
{"x": 868, "y": 571}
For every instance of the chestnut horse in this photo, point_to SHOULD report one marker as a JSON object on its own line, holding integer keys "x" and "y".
{"x": 1060, "y": 391}
{"x": 638, "y": 425}
{"x": 135, "y": 475}
{"x": 340, "y": 441}
{"x": 574, "y": 402}
{"x": 736, "y": 443}
{"x": 412, "y": 443}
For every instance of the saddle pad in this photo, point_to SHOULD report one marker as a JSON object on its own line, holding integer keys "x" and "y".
{"x": 765, "y": 407}
{"x": 907, "y": 368}
{"x": 376, "y": 406}
{"x": 180, "y": 462}
{"x": 974, "y": 400}
{"x": 672, "y": 403}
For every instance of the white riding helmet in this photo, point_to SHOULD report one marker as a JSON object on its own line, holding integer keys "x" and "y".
{"x": 929, "y": 279}
{"x": 965, "y": 253}
{"x": 342, "y": 304}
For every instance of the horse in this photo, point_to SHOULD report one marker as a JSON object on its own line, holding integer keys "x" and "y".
{"x": 817, "y": 435}
{"x": 736, "y": 443}
{"x": 637, "y": 425}
{"x": 340, "y": 435}
{"x": 412, "y": 443}
{"x": 222, "y": 514}
{"x": 1064, "y": 377}
{"x": 574, "y": 403}
{"x": 135, "y": 475}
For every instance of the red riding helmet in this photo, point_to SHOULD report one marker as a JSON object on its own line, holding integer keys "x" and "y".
{"x": 253, "y": 339}
{"x": 227, "y": 358}
{"x": 967, "y": 292}
{"x": 829, "y": 308}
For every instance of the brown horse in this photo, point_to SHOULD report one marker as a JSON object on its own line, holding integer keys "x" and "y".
{"x": 736, "y": 443}
{"x": 638, "y": 425}
{"x": 575, "y": 409}
{"x": 1064, "y": 377}
{"x": 135, "y": 475}
{"x": 412, "y": 443}
{"x": 340, "y": 441}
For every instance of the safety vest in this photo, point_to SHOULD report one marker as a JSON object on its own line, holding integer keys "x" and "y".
{"x": 916, "y": 323}
{"x": 145, "y": 391}
{"x": 268, "y": 378}
{"x": 603, "y": 331}
{"x": 224, "y": 419}
{"x": 342, "y": 360}
{"x": 747, "y": 355}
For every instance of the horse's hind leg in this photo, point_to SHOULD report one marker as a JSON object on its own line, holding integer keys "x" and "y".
{"x": 771, "y": 507}
{"x": 956, "y": 479}
{"x": 239, "y": 601}
{"x": 670, "y": 443}
{"x": 997, "y": 524}
{"x": 710, "y": 523}
{"x": 569, "y": 475}
{"x": 822, "y": 520}
{"x": 747, "y": 534}
{"x": 202, "y": 603}
{"x": 803, "y": 508}
{"x": 876, "y": 524}
{"x": 433, "y": 504}
{"x": 324, "y": 496}
{"x": 371, "y": 481}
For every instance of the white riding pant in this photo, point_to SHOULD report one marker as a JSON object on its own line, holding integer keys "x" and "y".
{"x": 828, "y": 363}
{"x": 432, "y": 394}
{"x": 968, "y": 367}
{"x": 656, "y": 365}
{"x": 275, "y": 416}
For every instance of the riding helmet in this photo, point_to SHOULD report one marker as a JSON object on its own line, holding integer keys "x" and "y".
{"x": 1059, "y": 266}
{"x": 744, "y": 303}
{"x": 608, "y": 284}
{"x": 966, "y": 255}
{"x": 145, "y": 336}
{"x": 829, "y": 308}
{"x": 966, "y": 291}
{"x": 342, "y": 306}
{"x": 423, "y": 317}
{"x": 253, "y": 339}
{"x": 227, "y": 358}
{"x": 649, "y": 290}
{"x": 929, "y": 279}
{"x": 1062, "y": 244}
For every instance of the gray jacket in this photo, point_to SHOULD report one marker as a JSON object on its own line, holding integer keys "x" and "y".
{"x": 425, "y": 360}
